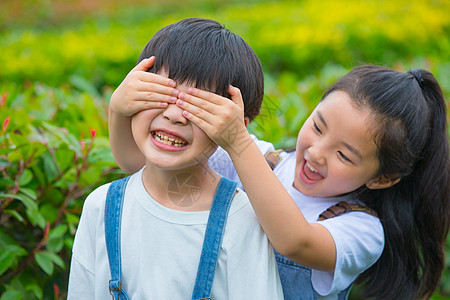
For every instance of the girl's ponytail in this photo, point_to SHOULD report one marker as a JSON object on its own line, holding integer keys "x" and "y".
{"x": 432, "y": 212}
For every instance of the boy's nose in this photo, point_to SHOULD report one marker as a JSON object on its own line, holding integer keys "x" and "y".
{"x": 174, "y": 114}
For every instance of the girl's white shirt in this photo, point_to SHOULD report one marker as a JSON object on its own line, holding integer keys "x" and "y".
{"x": 358, "y": 236}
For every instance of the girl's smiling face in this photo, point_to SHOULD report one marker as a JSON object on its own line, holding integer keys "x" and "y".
{"x": 336, "y": 152}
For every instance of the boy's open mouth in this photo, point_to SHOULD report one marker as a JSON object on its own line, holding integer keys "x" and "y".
{"x": 169, "y": 139}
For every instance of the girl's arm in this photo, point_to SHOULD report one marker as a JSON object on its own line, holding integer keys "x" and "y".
{"x": 138, "y": 91}
{"x": 308, "y": 244}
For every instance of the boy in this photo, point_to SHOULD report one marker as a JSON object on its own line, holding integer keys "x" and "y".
{"x": 166, "y": 204}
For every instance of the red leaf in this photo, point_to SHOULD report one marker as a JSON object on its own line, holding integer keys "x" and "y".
{"x": 6, "y": 123}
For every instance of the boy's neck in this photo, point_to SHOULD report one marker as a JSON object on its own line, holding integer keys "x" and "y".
{"x": 190, "y": 189}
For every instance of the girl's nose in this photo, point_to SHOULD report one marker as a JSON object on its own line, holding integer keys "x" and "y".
{"x": 317, "y": 154}
{"x": 174, "y": 114}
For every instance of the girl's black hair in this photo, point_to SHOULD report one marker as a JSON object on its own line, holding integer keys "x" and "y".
{"x": 410, "y": 118}
{"x": 205, "y": 53}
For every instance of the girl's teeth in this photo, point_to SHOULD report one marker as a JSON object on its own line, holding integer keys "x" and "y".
{"x": 311, "y": 167}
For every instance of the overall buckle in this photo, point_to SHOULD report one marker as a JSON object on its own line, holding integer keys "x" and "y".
{"x": 119, "y": 288}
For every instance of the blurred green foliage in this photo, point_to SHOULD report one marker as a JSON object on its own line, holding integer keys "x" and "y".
{"x": 59, "y": 67}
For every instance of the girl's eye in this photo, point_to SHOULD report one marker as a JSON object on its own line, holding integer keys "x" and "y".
{"x": 345, "y": 158}
{"x": 316, "y": 128}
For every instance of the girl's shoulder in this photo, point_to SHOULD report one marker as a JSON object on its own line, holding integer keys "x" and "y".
{"x": 359, "y": 241}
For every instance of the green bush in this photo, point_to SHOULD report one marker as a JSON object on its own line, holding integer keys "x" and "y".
{"x": 53, "y": 152}
{"x": 57, "y": 76}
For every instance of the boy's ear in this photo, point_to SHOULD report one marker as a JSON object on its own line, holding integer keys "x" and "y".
{"x": 382, "y": 182}
{"x": 246, "y": 121}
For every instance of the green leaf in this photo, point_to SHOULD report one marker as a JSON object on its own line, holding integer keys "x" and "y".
{"x": 35, "y": 217}
{"x": 101, "y": 155}
{"x": 35, "y": 289}
{"x": 15, "y": 156}
{"x": 65, "y": 136}
{"x": 58, "y": 232}
{"x": 19, "y": 139}
{"x": 15, "y": 214}
{"x": 44, "y": 261}
{"x": 68, "y": 242}
{"x": 4, "y": 162}
{"x": 57, "y": 260}
{"x": 39, "y": 175}
{"x": 16, "y": 249}
{"x": 26, "y": 177}
{"x": 55, "y": 245}
{"x": 72, "y": 222}
{"x": 6, "y": 260}
{"x": 84, "y": 85}
{"x": 29, "y": 203}
{"x": 5, "y": 239}
{"x": 29, "y": 193}
{"x": 11, "y": 295}
{"x": 49, "y": 211}
{"x": 74, "y": 144}
{"x": 49, "y": 167}
{"x": 64, "y": 157}
{"x": 8, "y": 255}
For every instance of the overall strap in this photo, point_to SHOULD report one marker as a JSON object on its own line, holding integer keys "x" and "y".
{"x": 343, "y": 207}
{"x": 273, "y": 158}
{"x": 113, "y": 220}
{"x": 213, "y": 238}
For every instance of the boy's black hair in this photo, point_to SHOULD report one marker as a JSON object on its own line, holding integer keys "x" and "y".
{"x": 202, "y": 52}
{"x": 409, "y": 114}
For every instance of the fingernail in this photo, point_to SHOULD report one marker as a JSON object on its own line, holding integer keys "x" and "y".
{"x": 172, "y": 83}
{"x": 186, "y": 114}
{"x": 190, "y": 90}
{"x": 180, "y": 102}
{"x": 182, "y": 96}
{"x": 173, "y": 99}
{"x": 164, "y": 104}
{"x": 175, "y": 92}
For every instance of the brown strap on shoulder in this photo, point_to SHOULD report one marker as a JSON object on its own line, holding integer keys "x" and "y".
{"x": 273, "y": 158}
{"x": 343, "y": 207}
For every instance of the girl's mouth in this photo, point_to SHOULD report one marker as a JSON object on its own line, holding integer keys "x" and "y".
{"x": 167, "y": 141}
{"x": 308, "y": 174}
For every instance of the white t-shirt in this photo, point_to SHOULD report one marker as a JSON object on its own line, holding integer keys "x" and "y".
{"x": 161, "y": 249}
{"x": 358, "y": 236}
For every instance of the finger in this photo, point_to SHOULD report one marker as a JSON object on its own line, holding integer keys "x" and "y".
{"x": 196, "y": 111}
{"x": 144, "y": 86}
{"x": 208, "y": 96}
{"x": 156, "y": 78}
{"x": 204, "y": 104}
{"x": 144, "y": 64}
{"x": 236, "y": 96}
{"x": 154, "y": 97}
{"x": 200, "y": 123}
{"x": 143, "y": 105}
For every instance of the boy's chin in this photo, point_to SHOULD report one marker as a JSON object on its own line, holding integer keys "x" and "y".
{"x": 172, "y": 164}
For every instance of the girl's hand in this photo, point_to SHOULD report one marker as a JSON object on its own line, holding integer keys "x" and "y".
{"x": 142, "y": 90}
{"x": 221, "y": 119}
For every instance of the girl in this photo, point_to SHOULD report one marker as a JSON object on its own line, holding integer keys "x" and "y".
{"x": 377, "y": 138}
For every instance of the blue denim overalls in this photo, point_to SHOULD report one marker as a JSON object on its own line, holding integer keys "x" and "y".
{"x": 211, "y": 243}
{"x": 296, "y": 280}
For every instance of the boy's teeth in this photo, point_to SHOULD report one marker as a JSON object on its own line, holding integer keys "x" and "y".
{"x": 164, "y": 139}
